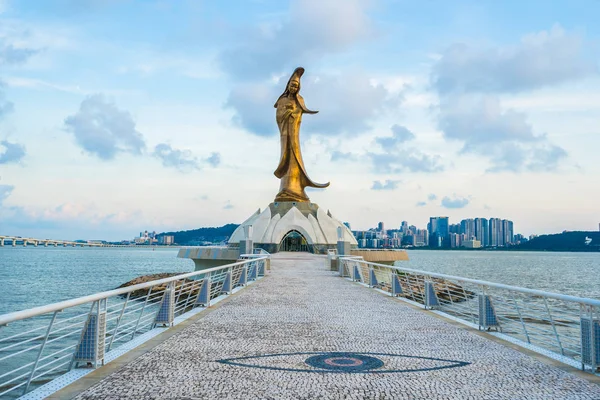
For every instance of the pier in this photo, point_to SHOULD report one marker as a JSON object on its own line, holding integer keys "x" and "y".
{"x": 305, "y": 332}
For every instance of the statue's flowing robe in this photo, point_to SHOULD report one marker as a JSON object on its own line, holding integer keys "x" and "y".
{"x": 288, "y": 122}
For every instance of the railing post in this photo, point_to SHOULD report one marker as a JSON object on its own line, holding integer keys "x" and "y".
{"x": 227, "y": 283}
{"x": 396, "y": 286}
{"x": 91, "y": 345}
{"x": 165, "y": 313}
{"x": 372, "y": 278}
{"x": 356, "y": 273}
{"x": 590, "y": 338}
{"x": 261, "y": 267}
{"x": 431, "y": 299}
{"x": 204, "y": 293}
{"x": 243, "y": 276}
{"x": 487, "y": 313}
{"x": 37, "y": 360}
{"x": 253, "y": 271}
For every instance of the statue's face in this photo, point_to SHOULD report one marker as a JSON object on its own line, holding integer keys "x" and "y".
{"x": 293, "y": 87}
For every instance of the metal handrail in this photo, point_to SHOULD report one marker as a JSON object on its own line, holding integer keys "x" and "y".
{"x": 535, "y": 292}
{"x": 560, "y": 326}
{"x": 5, "y": 319}
{"x": 50, "y": 340}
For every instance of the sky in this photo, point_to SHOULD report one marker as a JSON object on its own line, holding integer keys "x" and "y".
{"x": 120, "y": 116}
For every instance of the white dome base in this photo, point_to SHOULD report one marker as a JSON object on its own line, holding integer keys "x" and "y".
{"x": 319, "y": 228}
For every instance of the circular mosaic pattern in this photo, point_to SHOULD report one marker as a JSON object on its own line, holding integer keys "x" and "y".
{"x": 344, "y": 362}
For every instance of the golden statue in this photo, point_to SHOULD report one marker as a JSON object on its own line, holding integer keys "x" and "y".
{"x": 290, "y": 107}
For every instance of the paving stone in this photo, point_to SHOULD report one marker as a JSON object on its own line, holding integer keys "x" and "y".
{"x": 255, "y": 346}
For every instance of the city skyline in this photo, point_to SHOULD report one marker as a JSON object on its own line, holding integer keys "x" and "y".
{"x": 109, "y": 125}
{"x": 469, "y": 232}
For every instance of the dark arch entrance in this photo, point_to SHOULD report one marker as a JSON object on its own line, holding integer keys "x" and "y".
{"x": 294, "y": 241}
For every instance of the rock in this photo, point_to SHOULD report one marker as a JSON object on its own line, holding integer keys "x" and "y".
{"x": 149, "y": 278}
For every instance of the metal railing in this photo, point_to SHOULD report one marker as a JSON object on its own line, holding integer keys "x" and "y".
{"x": 566, "y": 328}
{"x": 42, "y": 343}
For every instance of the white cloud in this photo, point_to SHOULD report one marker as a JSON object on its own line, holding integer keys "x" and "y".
{"x": 541, "y": 59}
{"x": 387, "y": 185}
{"x": 102, "y": 129}
{"x": 454, "y": 202}
{"x": 310, "y": 30}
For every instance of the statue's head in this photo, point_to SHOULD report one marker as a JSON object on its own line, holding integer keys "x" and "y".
{"x": 293, "y": 86}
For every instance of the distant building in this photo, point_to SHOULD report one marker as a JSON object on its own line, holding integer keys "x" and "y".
{"x": 381, "y": 227}
{"x": 404, "y": 227}
{"x": 467, "y": 226}
{"x": 482, "y": 232}
{"x": 348, "y": 225}
{"x": 439, "y": 229}
{"x": 472, "y": 244}
{"x": 166, "y": 240}
{"x": 454, "y": 240}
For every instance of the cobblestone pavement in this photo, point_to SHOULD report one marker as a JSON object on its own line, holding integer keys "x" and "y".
{"x": 257, "y": 345}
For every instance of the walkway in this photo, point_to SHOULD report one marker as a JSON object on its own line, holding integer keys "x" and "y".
{"x": 273, "y": 339}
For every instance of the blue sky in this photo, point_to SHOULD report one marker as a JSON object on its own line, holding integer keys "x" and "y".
{"x": 118, "y": 116}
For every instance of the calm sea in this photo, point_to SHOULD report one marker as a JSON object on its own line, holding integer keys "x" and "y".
{"x": 36, "y": 276}
{"x": 576, "y": 274}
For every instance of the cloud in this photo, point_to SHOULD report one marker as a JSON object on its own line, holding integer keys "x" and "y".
{"x": 214, "y": 159}
{"x": 421, "y": 204}
{"x": 403, "y": 160}
{"x": 347, "y": 103}
{"x": 469, "y": 82}
{"x": 395, "y": 157}
{"x": 400, "y": 134}
{"x": 387, "y": 185}
{"x": 12, "y": 153}
{"x": 5, "y": 191}
{"x": 503, "y": 136}
{"x": 183, "y": 160}
{"x": 432, "y": 197}
{"x": 11, "y": 55}
{"x": 540, "y": 59}
{"x": 103, "y": 130}
{"x": 310, "y": 30}
{"x": 455, "y": 202}
{"x": 546, "y": 158}
{"x": 479, "y": 120}
{"x": 337, "y": 155}
{"x": 228, "y": 205}
{"x": 5, "y": 105}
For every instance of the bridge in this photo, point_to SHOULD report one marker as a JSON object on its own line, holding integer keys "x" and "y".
{"x": 14, "y": 240}
{"x": 305, "y": 331}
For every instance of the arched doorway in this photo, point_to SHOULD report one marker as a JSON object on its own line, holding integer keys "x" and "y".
{"x": 294, "y": 241}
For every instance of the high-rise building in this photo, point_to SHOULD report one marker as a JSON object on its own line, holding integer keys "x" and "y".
{"x": 495, "y": 229}
{"x": 381, "y": 227}
{"x": 507, "y": 232}
{"x": 439, "y": 229}
{"x": 404, "y": 227}
{"x": 454, "y": 240}
{"x": 482, "y": 233}
{"x": 348, "y": 225}
{"x": 467, "y": 226}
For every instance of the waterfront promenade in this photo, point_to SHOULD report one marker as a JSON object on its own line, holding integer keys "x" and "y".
{"x": 303, "y": 332}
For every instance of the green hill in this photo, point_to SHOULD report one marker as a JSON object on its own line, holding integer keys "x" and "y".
{"x": 566, "y": 241}
{"x": 199, "y": 236}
